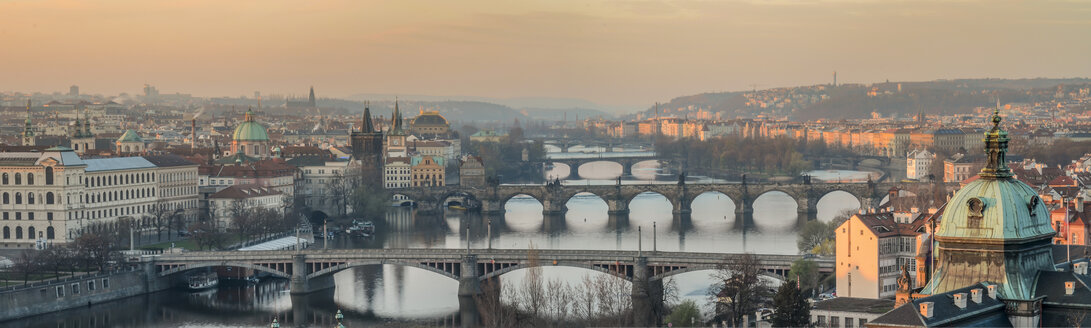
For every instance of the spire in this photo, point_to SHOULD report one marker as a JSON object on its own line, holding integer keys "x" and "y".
{"x": 996, "y": 149}
{"x": 311, "y": 98}
{"x": 367, "y": 126}
{"x": 86, "y": 123}
{"x": 78, "y": 130}
{"x": 396, "y": 118}
{"x": 249, "y": 117}
{"x": 28, "y": 128}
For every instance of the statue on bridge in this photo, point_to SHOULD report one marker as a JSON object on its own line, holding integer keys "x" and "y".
{"x": 682, "y": 178}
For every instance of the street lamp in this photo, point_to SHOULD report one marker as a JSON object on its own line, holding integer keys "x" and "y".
{"x": 339, "y": 318}
{"x": 275, "y": 324}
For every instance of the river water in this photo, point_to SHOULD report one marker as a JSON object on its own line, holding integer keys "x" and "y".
{"x": 394, "y": 295}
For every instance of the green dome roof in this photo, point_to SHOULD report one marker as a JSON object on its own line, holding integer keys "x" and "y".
{"x": 130, "y": 136}
{"x": 996, "y": 209}
{"x": 250, "y": 130}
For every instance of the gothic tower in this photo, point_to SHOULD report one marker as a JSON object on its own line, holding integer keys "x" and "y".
{"x": 367, "y": 143}
{"x": 310, "y": 100}
{"x": 83, "y": 141}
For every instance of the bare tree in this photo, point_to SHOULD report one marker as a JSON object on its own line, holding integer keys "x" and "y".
{"x": 26, "y": 263}
{"x": 586, "y": 299}
{"x": 532, "y": 295}
{"x": 1076, "y": 317}
{"x": 160, "y": 218}
{"x": 739, "y": 289}
{"x": 493, "y": 311}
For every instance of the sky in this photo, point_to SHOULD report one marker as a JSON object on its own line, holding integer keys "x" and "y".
{"x": 619, "y": 53}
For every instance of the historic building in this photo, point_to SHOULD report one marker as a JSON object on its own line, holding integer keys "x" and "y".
{"x": 250, "y": 138}
{"x": 917, "y": 164}
{"x": 397, "y": 137}
{"x": 225, "y": 204}
{"x": 871, "y": 250}
{"x": 428, "y": 171}
{"x": 397, "y": 173}
{"x": 429, "y": 123}
{"x": 129, "y": 142}
{"x": 994, "y": 259}
{"x": 471, "y": 171}
{"x": 53, "y": 196}
{"x": 176, "y": 180}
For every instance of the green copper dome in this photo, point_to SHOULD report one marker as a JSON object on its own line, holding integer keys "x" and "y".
{"x": 995, "y": 229}
{"x": 249, "y": 130}
{"x": 130, "y": 136}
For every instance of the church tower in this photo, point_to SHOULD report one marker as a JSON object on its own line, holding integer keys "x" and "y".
{"x": 83, "y": 141}
{"x": 395, "y": 140}
{"x": 28, "y": 129}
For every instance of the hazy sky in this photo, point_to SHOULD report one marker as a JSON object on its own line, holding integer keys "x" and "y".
{"x": 611, "y": 52}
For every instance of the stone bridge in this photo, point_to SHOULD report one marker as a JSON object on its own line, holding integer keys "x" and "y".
{"x": 626, "y": 160}
{"x": 554, "y": 197}
{"x": 312, "y": 270}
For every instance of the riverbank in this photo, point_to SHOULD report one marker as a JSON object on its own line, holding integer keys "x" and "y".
{"x": 75, "y": 291}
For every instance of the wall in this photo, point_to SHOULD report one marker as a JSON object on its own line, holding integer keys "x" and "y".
{"x": 42, "y": 298}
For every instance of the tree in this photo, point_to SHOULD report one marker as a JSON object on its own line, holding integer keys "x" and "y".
{"x": 739, "y": 289}
{"x": 790, "y": 308}
{"x": 94, "y": 250}
{"x": 26, "y": 263}
{"x": 161, "y": 218}
{"x": 207, "y": 236}
{"x": 812, "y": 234}
{"x": 686, "y": 314}
{"x": 805, "y": 272}
{"x": 55, "y": 258}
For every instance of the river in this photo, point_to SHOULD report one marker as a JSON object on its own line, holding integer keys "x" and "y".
{"x": 394, "y": 295}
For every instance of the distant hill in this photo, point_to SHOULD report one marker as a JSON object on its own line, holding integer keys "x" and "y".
{"x": 854, "y": 100}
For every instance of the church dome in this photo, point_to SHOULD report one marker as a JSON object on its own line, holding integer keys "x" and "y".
{"x": 249, "y": 130}
{"x": 130, "y": 136}
{"x": 997, "y": 209}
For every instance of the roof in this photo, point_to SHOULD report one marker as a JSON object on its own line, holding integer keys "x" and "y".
{"x": 169, "y": 160}
{"x": 117, "y": 163}
{"x": 988, "y": 313}
{"x": 307, "y": 161}
{"x": 430, "y": 118}
{"x": 853, "y": 304}
{"x": 245, "y": 191}
{"x": 883, "y": 224}
{"x": 418, "y": 159}
{"x": 130, "y": 136}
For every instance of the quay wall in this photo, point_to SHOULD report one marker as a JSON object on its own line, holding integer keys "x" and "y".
{"x": 74, "y": 292}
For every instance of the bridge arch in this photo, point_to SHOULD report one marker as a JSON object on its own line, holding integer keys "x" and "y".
{"x": 624, "y": 169}
{"x": 836, "y": 193}
{"x": 572, "y": 264}
{"x": 412, "y": 264}
{"x": 211, "y": 264}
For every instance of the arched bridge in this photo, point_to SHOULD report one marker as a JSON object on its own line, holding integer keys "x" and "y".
{"x": 312, "y": 270}
{"x": 460, "y": 264}
{"x": 625, "y": 159}
{"x": 554, "y": 197}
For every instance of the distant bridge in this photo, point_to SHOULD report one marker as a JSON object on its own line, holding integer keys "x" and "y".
{"x": 626, "y": 159}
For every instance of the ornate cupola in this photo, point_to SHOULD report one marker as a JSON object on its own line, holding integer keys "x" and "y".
{"x": 995, "y": 230}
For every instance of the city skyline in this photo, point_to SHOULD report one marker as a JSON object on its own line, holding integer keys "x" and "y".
{"x": 616, "y": 54}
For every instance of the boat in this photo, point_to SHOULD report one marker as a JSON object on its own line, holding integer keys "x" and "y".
{"x": 361, "y": 228}
{"x": 457, "y": 207}
{"x": 202, "y": 281}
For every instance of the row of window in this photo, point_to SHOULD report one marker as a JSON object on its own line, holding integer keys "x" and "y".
{"x": 30, "y": 216}
{"x": 834, "y": 321}
{"x": 110, "y": 196}
{"x": 120, "y": 179}
{"x": 30, "y": 177}
{"x": 47, "y": 234}
{"x": 6, "y": 198}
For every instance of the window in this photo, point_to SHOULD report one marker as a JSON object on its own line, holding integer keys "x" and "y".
{"x": 105, "y": 282}
{"x": 30, "y": 198}
{"x": 4, "y": 180}
{"x": 861, "y": 322}
{"x": 60, "y": 291}
{"x": 835, "y": 321}
{"x": 30, "y": 178}
{"x": 7, "y": 233}
{"x": 49, "y": 198}
{"x": 6, "y": 198}
{"x": 90, "y": 285}
{"x": 49, "y": 175}
{"x": 18, "y": 178}
{"x": 75, "y": 289}
{"x": 848, "y": 322}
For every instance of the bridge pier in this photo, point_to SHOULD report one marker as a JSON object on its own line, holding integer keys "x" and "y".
{"x": 552, "y": 223}
{"x": 744, "y": 215}
{"x": 647, "y": 295}
{"x": 551, "y": 207}
{"x": 617, "y": 206}
{"x": 492, "y": 206}
{"x": 299, "y": 283}
{"x": 469, "y": 281}
{"x": 617, "y": 221}
{"x": 681, "y": 206}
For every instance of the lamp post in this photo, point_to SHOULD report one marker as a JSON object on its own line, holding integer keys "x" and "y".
{"x": 339, "y": 318}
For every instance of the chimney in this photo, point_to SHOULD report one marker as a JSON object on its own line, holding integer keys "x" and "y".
{"x": 926, "y": 309}
{"x": 1080, "y": 268}
{"x": 1079, "y": 204}
{"x": 1069, "y": 287}
{"x": 991, "y": 289}
{"x": 975, "y": 295}
{"x": 960, "y": 300}
{"x": 193, "y": 136}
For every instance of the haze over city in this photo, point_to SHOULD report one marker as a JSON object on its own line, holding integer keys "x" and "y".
{"x": 620, "y": 54}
